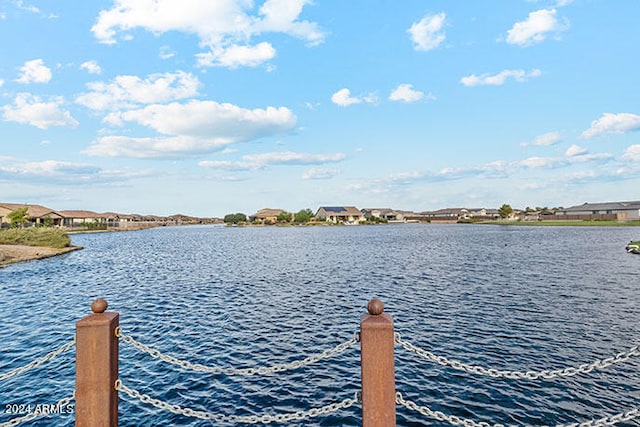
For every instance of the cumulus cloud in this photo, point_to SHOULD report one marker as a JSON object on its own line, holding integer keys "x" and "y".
{"x": 544, "y": 140}
{"x": 427, "y": 34}
{"x": 225, "y": 27}
{"x": 195, "y": 127}
{"x": 632, "y": 153}
{"x": 500, "y": 78}
{"x": 32, "y": 110}
{"x": 406, "y": 93}
{"x": 575, "y": 150}
{"x": 343, "y": 98}
{"x": 536, "y": 28}
{"x": 131, "y": 91}
{"x": 34, "y": 71}
{"x": 92, "y": 67}
{"x": 68, "y": 173}
{"x": 613, "y": 123}
{"x": 262, "y": 160}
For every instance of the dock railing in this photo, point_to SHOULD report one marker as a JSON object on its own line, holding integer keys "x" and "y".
{"x": 97, "y": 383}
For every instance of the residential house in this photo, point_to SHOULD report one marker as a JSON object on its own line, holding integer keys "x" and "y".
{"x": 36, "y": 214}
{"x": 448, "y": 215}
{"x": 266, "y": 215}
{"x": 622, "y": 211}
{"x": 340, "y": 214}
{"x": 383, "y": 213}
{"x": 80, "y": 218}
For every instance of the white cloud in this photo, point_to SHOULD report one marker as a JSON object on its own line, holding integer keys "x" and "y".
{"x": 320, "y": 173}
{"x": 613, "y": 123}
{"x": 427, "y": 33}
{"x": 54, "y": 167}
{"x": 225, "y": 27}
{"x": 153, "y": 147}
{"x": 291, "y": 158}
{"x": 500, "y": 78}
{"x": 544, "y": 140}
{"x": 343, "y": 98}
{"x": 91, "y": 66}
{"x": 405, "y": 93}
{"x": 238, "y": 56}
{"x": 131, "y": 91}
{"x": 575, "y": 150}
{"x": 34, "y": 71}
{"x": 632, "y": 153}
{"x": 262, "y": 160}
{"x": 32, "y": 110}
{"x": 1, "y": 82}
{"x": 196, "y": 127}
{"x": 536, "y": 28}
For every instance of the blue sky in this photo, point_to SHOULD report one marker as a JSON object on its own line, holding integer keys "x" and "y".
{"x": 208, "y": 107}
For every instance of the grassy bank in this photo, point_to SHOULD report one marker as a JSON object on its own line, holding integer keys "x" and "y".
{"x": 47, "y": 237}
{"x": 567, "y": 223}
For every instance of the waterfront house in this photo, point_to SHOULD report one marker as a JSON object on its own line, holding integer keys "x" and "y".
{"x": 448, "y": 215}
{"x": 80, "y": 218}
{"x": 340, "y": 214}
{"x": 621, "y": 211}
{"x": 384, "y": 213}
{"x": 36, "y": 214}
{"x": 266, "y": 215}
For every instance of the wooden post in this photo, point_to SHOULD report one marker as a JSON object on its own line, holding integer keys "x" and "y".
{"x": 378, "y": 377}
{"x": 97, "y": 368}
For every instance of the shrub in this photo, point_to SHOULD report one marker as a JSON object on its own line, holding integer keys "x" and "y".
{"x": 50, "y": 237}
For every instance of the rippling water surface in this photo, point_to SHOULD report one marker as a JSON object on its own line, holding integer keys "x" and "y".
{"x": 516, "y": 298}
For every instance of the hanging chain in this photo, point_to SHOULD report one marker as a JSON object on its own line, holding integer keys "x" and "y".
{"x": 37, "y": 362}
{"x": 185, "y": 364}
{"x": 518, "y": 375}
{"x": 235, "y": 419}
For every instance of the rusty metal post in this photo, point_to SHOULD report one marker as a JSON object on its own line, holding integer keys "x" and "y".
{"x": 378, "y": 376}
{"x": 97, "y": 368}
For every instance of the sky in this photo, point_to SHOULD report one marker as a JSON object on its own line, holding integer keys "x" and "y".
{"x": 205, "y": 107}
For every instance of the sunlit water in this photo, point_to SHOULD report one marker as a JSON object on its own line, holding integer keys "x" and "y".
{"x": 517, "y": 298}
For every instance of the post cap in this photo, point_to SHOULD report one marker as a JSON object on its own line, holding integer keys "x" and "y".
{"x": 375, "y": 307}
{"x": 99, "y": 305}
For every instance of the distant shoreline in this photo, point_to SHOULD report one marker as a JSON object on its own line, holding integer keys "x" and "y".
{"x": 12, "y": 254}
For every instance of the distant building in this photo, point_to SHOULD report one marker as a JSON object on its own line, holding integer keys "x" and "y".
{"x": 340, "y": 214}
{"x": 622, "y": 211}
{"x": 266, "y": 215}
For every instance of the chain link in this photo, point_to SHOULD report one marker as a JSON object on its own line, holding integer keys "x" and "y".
{"x": 441, "y": 416}
{"x": 33, "y": 415}
{"x": 37, "y": 362}
{"x": 235, "y": 419}
{"x": 518, "y": 375}
{"x": 456, "y": 421}
{"x": 185, "y": 364}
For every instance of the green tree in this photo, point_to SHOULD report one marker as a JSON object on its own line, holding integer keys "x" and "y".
{"x": 505, "y": 210}
{"x": 284, "y": 217}
{"x": 18, "y": 217}
{"x": 235, "y": 218}
{"x": 304, "y": 215}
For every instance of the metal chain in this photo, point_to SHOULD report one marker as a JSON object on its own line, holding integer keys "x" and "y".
{"x": 517, "y": 375}
{"x": 68, "y": 346}
{"x": 441, "y": 416}
{"x": 235, "y": 419}
{"x": 454, "y": 420}
{"x": 185, "y": 364}
{"x": 33, "y": 415}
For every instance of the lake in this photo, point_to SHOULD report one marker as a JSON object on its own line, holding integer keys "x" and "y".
{"x": 507, "y": 297}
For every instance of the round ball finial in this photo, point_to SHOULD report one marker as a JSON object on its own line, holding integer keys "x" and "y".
{"x": 375, "y": 307}
{"x": 99, "y": 305}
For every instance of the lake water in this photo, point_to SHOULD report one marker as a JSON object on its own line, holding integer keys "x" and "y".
{"x": 516, "y": 298}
